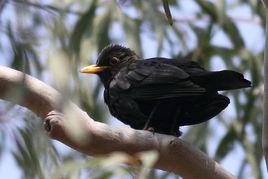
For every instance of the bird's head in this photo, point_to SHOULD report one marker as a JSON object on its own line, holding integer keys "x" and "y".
{"x": 109, "y": 61}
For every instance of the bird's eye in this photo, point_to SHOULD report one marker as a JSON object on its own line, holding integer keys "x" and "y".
{"x": 114, "y": 60}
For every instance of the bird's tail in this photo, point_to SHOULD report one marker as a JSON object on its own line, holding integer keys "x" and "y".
{"x": 224, "y": 80}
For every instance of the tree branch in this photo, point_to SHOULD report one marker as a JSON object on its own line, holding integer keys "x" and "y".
{"x": 265, "y": 105}
{"x": 175, "y": 155}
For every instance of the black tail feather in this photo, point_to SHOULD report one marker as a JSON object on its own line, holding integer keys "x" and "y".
{"x": 223, "y": 80}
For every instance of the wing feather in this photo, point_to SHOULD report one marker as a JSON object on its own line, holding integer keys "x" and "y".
{"x": 151, "y": 81}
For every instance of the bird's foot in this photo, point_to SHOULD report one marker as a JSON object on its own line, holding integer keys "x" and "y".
{"x": 179, "y": 133}
{"x": 53, "y": 124}
{"x": 176, "y": 133}
{"x": 150, "y": 129}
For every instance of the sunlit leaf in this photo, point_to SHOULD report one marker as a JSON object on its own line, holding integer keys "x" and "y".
{"x": 83, "y": 25}
{"x": 148, "y": 160}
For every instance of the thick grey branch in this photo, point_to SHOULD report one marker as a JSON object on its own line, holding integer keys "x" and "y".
{"x": 175, "y": 155}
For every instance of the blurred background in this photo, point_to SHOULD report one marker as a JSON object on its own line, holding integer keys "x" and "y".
{"x": 51, "y": 40}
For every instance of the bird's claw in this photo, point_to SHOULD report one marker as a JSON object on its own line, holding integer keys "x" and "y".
{"x": 176, "y": 133}
{"x": 53, "y": 123}
{"x": 150, "y": 129}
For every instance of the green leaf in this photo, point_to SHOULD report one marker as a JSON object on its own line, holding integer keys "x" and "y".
{"x": 203, "y": 35}
{"x": 209, "y": 8}
{"x": 102, "y": 30}
{"x": 201, "y": 130}
{"x": 181, "y": 36}
{"x": 226, "y": 144}
{"x": 232, "y": 31}
{"x": 132, "y": 31}
{"x": 20, "y": 58}
{"x": 160, "y": 35}
{"x": 225, "y": 53}
{"x": 84, "y": 24}
{"x": 167, "y": 11}
{"x": 224, "y": 21}
{"x": 148, "y": 159}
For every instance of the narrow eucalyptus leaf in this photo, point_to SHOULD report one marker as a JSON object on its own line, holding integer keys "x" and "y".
{"x": 83, "y": 25}
{"x": 226, "y": 144}
{"x": 167, "y": 11}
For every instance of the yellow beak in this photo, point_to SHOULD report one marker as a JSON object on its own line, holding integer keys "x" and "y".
{"x": 93, "y": 69}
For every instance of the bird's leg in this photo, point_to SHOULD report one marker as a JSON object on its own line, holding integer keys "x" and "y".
{"x": 175, "y": 120}
{"x": 147, "y": 124}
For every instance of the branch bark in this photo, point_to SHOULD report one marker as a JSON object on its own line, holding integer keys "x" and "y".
{"x": 265, "y": 105}
{"x": 175, "y": 155}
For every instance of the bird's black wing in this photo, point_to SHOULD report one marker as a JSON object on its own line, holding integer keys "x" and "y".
{"x": 211, "y": 80}
{"x": 150, "y": 80}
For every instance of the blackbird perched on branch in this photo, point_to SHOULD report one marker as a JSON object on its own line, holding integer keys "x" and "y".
{"x": 161, "y": 94}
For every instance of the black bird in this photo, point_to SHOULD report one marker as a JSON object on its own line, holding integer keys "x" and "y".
{"x": 161, "y": 94}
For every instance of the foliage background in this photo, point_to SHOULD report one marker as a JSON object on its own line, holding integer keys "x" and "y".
{"x": 52, "y": 40}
